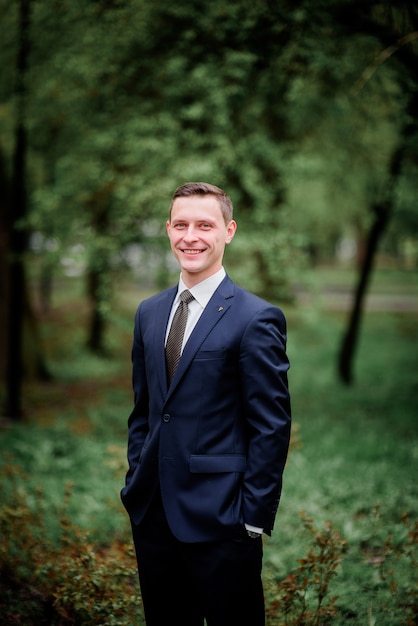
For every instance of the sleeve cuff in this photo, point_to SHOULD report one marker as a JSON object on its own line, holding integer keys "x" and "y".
{"x": 254, "y": 529}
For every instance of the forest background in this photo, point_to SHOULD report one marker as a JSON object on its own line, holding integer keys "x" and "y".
{"x": 305, "y": 112}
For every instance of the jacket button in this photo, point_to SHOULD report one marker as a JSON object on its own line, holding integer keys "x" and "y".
{"x": 166, "y": 418}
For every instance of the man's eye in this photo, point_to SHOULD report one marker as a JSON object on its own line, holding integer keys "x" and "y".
{"x": 180, "y": 225}
{"x": 205, "y": 225}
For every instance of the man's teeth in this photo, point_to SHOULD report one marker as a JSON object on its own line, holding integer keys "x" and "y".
{"x": 191, "y": 251}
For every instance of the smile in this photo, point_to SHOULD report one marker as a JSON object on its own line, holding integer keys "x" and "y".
{"x": 193, "y": 251}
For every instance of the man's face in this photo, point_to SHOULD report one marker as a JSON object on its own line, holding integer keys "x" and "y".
{"x": 198, "y": 235}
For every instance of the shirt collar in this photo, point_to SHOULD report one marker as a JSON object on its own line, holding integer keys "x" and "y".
{"x": 203, "y": 291}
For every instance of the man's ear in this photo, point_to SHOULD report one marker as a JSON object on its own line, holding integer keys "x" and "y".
{"x": 230, "y": 231}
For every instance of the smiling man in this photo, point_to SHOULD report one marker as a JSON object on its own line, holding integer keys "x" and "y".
{"x": 209, "y": 431}
{"x": 198, "y": 229}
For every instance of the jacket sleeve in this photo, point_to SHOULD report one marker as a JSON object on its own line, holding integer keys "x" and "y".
{"x": 138, "y": 419}
{"x": 266, "y": 401}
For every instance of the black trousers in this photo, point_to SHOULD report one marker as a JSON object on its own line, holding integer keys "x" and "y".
{"x": 187, "y": 583}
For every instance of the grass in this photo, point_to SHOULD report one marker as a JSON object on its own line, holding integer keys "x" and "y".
{"x": 358, "y": 457}
{"x": 353, "y": 459}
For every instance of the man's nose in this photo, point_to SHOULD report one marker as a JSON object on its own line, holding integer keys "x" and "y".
{"x": 191, "y": 234}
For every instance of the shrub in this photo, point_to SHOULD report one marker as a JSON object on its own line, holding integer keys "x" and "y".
{"x": 397, "y": 563}
{"x": 302, "y": 598}
{"x": 65, "y": 578}
{"x": 69, "y": 581}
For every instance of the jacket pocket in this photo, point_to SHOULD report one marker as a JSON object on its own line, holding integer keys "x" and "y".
{"x": 217, "y": 463}
{"x": 210, "y": 355}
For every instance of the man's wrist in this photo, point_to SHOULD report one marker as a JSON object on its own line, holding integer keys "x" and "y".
{"x": 253, "y": 535}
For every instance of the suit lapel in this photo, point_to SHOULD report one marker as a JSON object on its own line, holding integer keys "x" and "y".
{"x": 214, "y": 311}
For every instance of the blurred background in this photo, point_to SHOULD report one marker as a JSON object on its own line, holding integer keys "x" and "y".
{"x": 306, "y": 113}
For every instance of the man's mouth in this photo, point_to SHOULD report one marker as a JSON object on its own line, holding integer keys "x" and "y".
{"x": 191, "y": 251}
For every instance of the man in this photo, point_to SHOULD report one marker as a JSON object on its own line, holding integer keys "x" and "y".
{"x": 209, "y": 432}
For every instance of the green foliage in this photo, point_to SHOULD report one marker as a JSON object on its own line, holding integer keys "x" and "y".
{"x": 351, "y": 450}
{"x": 396, "y": 560}
{"x": 74, "y": 580}
{"x": 69, "y": 580}
{"x": 79, "y": 582}
{"x": 128, "y": 99}
{"x": 303, "y": 596}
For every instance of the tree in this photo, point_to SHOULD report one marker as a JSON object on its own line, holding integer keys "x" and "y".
{"x": 18, "y": 233}
{"x": 22, "y": 351}
{"x": 255, "y": 98}
{"x": 383, "y": 208}
{"x": 5, "y": 185}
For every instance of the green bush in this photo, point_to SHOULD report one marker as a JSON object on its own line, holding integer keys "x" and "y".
{"x": 75, "y": 580}
{"x": 69, "y": 581}
{"x": 303, "y": 596}
{"x": 67, "y": 558}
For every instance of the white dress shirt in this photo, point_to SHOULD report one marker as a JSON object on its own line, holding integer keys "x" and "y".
{"x": 202, "y": 293}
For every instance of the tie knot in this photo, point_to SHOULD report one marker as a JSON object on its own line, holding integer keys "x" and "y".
{"x": 186, "y": 296}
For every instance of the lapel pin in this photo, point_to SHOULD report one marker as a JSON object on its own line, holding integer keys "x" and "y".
{"x": 220, "y": 308}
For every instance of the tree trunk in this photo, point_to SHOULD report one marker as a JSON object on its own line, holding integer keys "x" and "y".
{"x": 382, "y": 212}
{"x": 99, "y": 267}
{"x": 349, "y": 343}
{"x": 18, "y": 233}
{"x": 96, "y": 288}
{"x": 21, "y": 353}
{"x": 5, "y": 198}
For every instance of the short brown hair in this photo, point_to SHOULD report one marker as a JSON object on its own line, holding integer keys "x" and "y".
{"x": 206, "y": 189}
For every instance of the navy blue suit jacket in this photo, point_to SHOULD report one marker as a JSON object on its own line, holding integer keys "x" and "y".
{"x": 216, "y": 439}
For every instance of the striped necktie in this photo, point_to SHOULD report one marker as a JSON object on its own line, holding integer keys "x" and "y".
{"x": 176, "y": 334}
